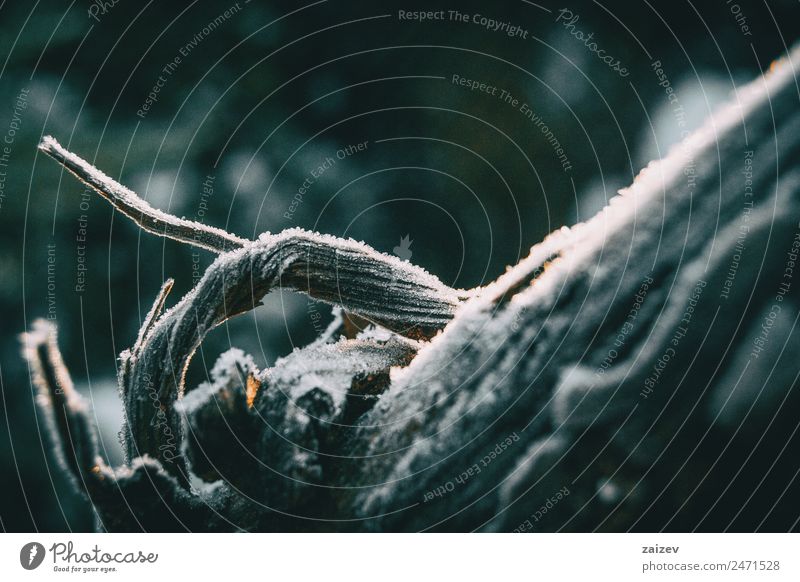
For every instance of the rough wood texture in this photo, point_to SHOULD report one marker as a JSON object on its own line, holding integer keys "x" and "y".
{"x": 619, "y": 376}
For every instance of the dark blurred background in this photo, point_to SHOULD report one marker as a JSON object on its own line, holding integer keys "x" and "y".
{"x": 262, "y": 93}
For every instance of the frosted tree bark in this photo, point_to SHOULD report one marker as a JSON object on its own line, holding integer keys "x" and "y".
{"x": 375, "y": 287}
{"x": 382, "y": 289}
{"x": 616, "y": 349}
{"x": 555, "y": 398}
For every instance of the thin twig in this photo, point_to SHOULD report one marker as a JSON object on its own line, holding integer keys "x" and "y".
{"x": 131, "y": 205}
{"x": 153, "y": 314}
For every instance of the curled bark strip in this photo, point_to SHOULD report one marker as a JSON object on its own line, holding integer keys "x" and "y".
{"x": 383, "y": 289}
{"x": 145, "y": 216}
{"x": 73, "y": 434}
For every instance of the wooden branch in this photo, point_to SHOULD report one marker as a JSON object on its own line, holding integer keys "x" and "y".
{"x": 380, "y": 288}
{"x": 139, "y": 497}
{"x": 145, "y": 216}
{"x": 372, "y": 286}
{"x": 72, "y": 431}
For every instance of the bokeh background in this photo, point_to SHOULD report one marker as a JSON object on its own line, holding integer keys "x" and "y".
{"x": 263, "y": 93}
